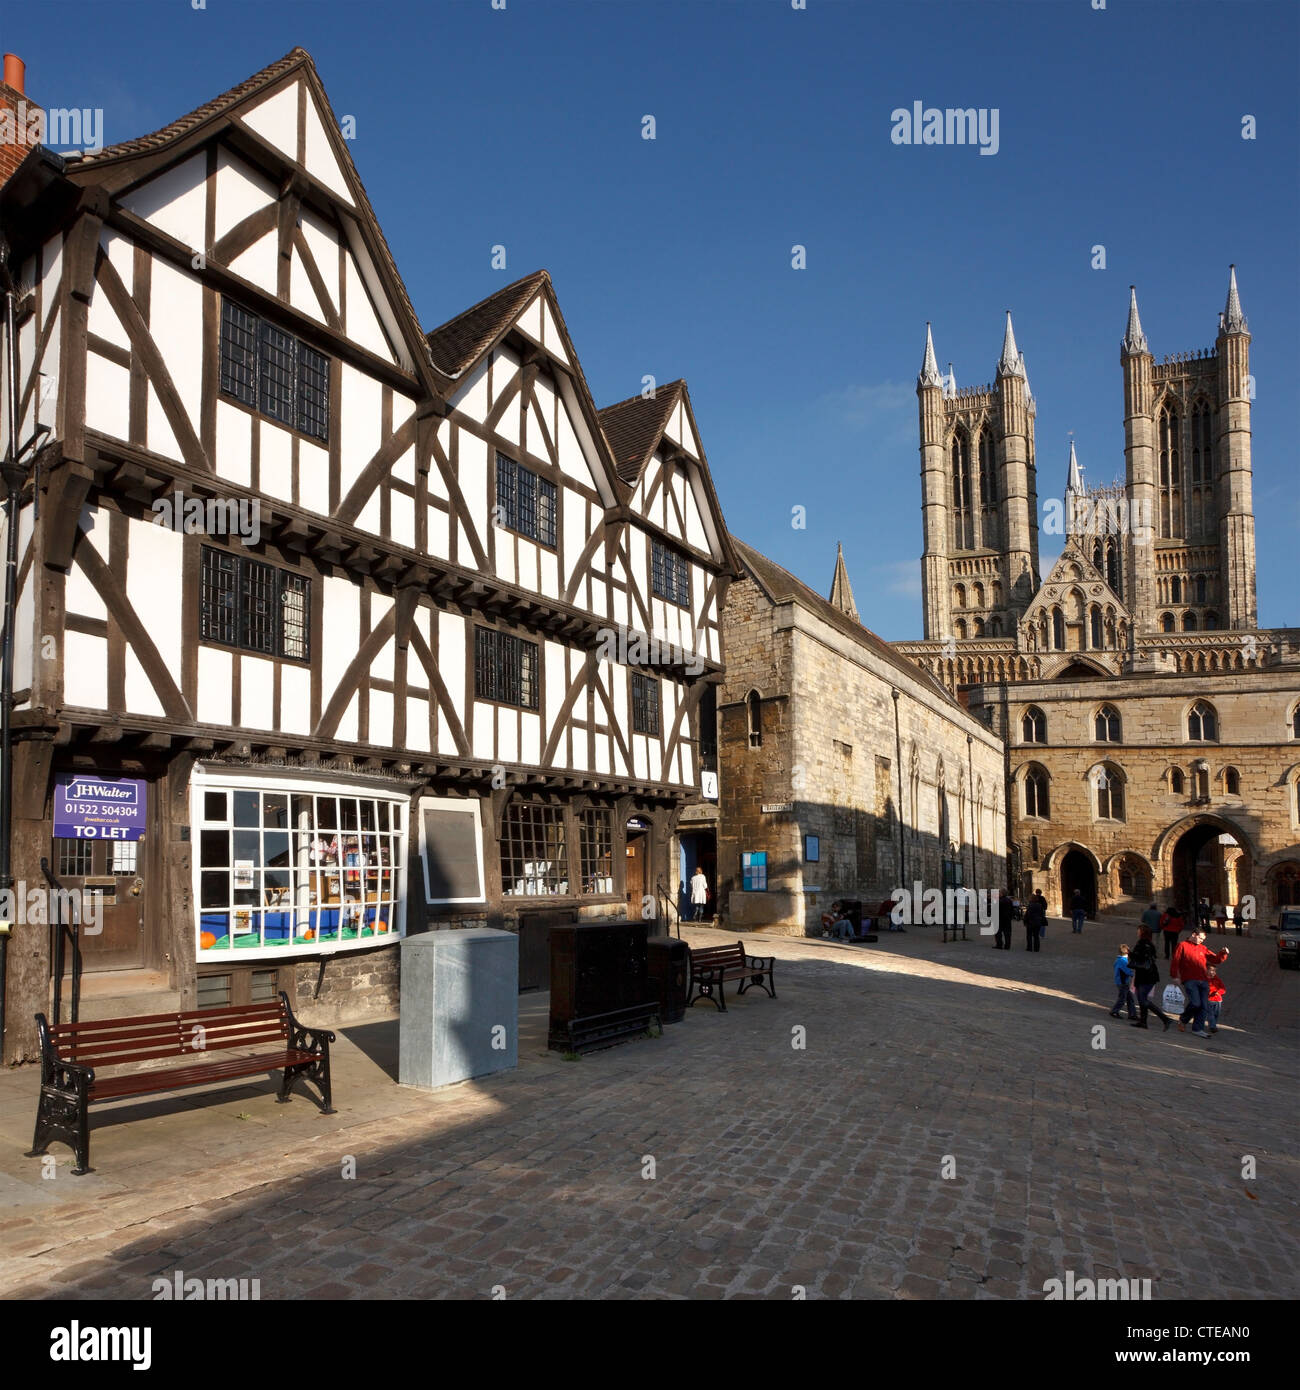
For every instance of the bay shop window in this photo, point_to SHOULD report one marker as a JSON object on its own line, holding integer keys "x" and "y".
{"x": 301, "y": 867}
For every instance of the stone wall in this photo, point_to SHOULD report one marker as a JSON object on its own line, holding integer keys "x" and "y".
{"x": 1254, "y": 737}
{"x": 830, "y": 754}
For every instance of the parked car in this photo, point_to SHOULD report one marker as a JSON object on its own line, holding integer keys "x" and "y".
{"x": 1288, "y": 937}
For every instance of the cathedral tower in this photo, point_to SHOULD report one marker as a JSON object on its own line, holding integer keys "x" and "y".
{"x": 1191, "y": 544}
{"x": 979, "y": 498}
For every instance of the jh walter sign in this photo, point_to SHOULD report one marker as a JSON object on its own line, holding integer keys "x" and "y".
{"x": 100, "y": 808}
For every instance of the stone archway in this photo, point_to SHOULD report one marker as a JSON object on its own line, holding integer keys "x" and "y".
{"x": 1205, "y": 856}
{"x": 1078, "y": 872}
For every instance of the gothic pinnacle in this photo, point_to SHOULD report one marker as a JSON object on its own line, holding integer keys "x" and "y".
{"x": 1011, "y": 362}
{"x": 1135, "y": 341}
{"x": 950, "y": 382}
{"x": 1073, "y": 482}
{"x": 1233, "y": 319}
{"x": 929, "y": 373}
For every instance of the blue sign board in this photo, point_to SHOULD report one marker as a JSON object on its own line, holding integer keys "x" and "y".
{"x": 100, "y": 808}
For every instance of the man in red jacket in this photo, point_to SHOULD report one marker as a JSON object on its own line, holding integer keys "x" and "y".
{"x": 1188, "y": 968}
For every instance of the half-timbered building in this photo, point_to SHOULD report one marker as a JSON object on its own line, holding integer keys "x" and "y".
{"x": 389, "y": 629}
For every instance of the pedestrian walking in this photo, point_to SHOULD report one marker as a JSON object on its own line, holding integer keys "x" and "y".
{"x": 1006, "y": 915}
{"x": 1078, "y": 910}
{"x": 1216, "y": 990}
{"x": 1171, "y": 926}
{"x": 1151, "y": 918}
{"x": 1203, "y": 914}
{"x": 1124, "y": 984}
{"x": 1190, "y": 968}
{"x": 1146, "y": 975}
{"x": 1221, "y": 916}
{"x": 1238, "y": 918}
{"x": 1035, "y": 920}
{"x": 699, "y": 893}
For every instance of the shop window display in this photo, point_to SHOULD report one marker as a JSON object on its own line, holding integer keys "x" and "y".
{"x": 300, "y": 869}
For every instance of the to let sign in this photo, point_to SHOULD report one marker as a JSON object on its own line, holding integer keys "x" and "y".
{"x": 100, "y": 808}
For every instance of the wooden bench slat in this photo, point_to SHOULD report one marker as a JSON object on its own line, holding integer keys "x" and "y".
{"x": 93, "y": 1025}
{"x": 185, "y": 1049}
{"x": 151, "y": 1082}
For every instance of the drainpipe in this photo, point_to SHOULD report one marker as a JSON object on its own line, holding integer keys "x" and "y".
{"x": 970, "y": 793}
{"x": 898, "y": 758}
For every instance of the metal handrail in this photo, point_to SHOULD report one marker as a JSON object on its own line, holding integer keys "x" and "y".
{"x": 61, "y": 931}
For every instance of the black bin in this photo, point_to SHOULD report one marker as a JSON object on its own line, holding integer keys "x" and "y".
{"x": 667, "y": 967}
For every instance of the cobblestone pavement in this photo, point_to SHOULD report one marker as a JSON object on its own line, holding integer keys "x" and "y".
{"x": 774, "y": 1166}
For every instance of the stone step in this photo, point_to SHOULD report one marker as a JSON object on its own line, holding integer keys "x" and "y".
{"x": 122, "y": 993}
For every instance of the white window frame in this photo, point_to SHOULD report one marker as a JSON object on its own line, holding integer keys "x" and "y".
{"x": 205, "y": 780}
{"x": 467, "y": 807}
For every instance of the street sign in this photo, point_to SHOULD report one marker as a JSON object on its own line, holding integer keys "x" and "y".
{"x": 100, "y": 808}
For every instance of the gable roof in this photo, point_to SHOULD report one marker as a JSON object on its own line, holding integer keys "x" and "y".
{"x": 634, "y": 427}
{"x": 183, "y": 125}
{"x": 461, "y": 341}
{"x": 782, "y": 587}
{"x": 112, "y": 166}
{"x": 1073, "y": 554}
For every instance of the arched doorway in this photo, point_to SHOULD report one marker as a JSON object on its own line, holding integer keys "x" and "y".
{"x": 1077, "y": 871}
{"x": 1208, "y": 861}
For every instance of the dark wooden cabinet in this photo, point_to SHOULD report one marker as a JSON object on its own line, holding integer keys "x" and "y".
{"x": 596, "y": 969}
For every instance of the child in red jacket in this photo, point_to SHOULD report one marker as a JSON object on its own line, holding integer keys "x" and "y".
{"x": 1217, "y": 992}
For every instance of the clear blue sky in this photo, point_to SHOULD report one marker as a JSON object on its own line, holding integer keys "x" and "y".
{"x": 1119, "y": 127}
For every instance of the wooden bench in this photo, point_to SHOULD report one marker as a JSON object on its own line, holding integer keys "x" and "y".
{"x": 713, "y": 966}
{"x": 71, "y": 1053}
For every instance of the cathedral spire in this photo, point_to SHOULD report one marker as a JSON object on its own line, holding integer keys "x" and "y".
{"x": 950, "y": 383}
{"x": 1135, "y": 341}
{"x": 1233, "y": 319}
{"x": 929, "y": 374}
{"x": 1011, "y": 363}
{"x": 1074, "y": 494}
{"x": 841, "y": 589}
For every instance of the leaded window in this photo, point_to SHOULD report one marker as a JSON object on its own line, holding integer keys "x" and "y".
{"x": 645, "y": 704}
{"x": 670, "y": 575}
{"x": 534, "y": 854}
{"x": 505, "y": 668}
{"x": 254, "y": 606}
{"x": 274, "y": 372}
{"x": 526, "y": 501}
{"x": 596, "y": 850}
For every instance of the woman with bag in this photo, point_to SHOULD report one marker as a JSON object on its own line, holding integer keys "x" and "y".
{"x": 1146, "y": 975}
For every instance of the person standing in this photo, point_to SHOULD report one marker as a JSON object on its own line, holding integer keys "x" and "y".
{"x": 1151, "y": 918}
{"x": 1035, "y": 920}
{"x": 1146, "y": 975}
{"x": 1078, "y": 910}
{"x": 1189, "y": 968}
{"x": 699, "y": 893}
{"x": 1171, "y": 924}
{"x": 1216, "y": 990}
{"x": 1220, "y": 915}
{"x": 1124, "y": 985}
{"x": 1006, "y": 914}
{"x": 1203, "y": 915}
{"x": 1238, "y": 918}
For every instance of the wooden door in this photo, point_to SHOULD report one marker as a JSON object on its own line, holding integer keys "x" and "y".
{"x": 109, "y": 877}
{"x": 636, "y": 871}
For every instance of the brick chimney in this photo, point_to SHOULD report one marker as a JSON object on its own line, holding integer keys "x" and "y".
{"x": 17, "y": 126}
